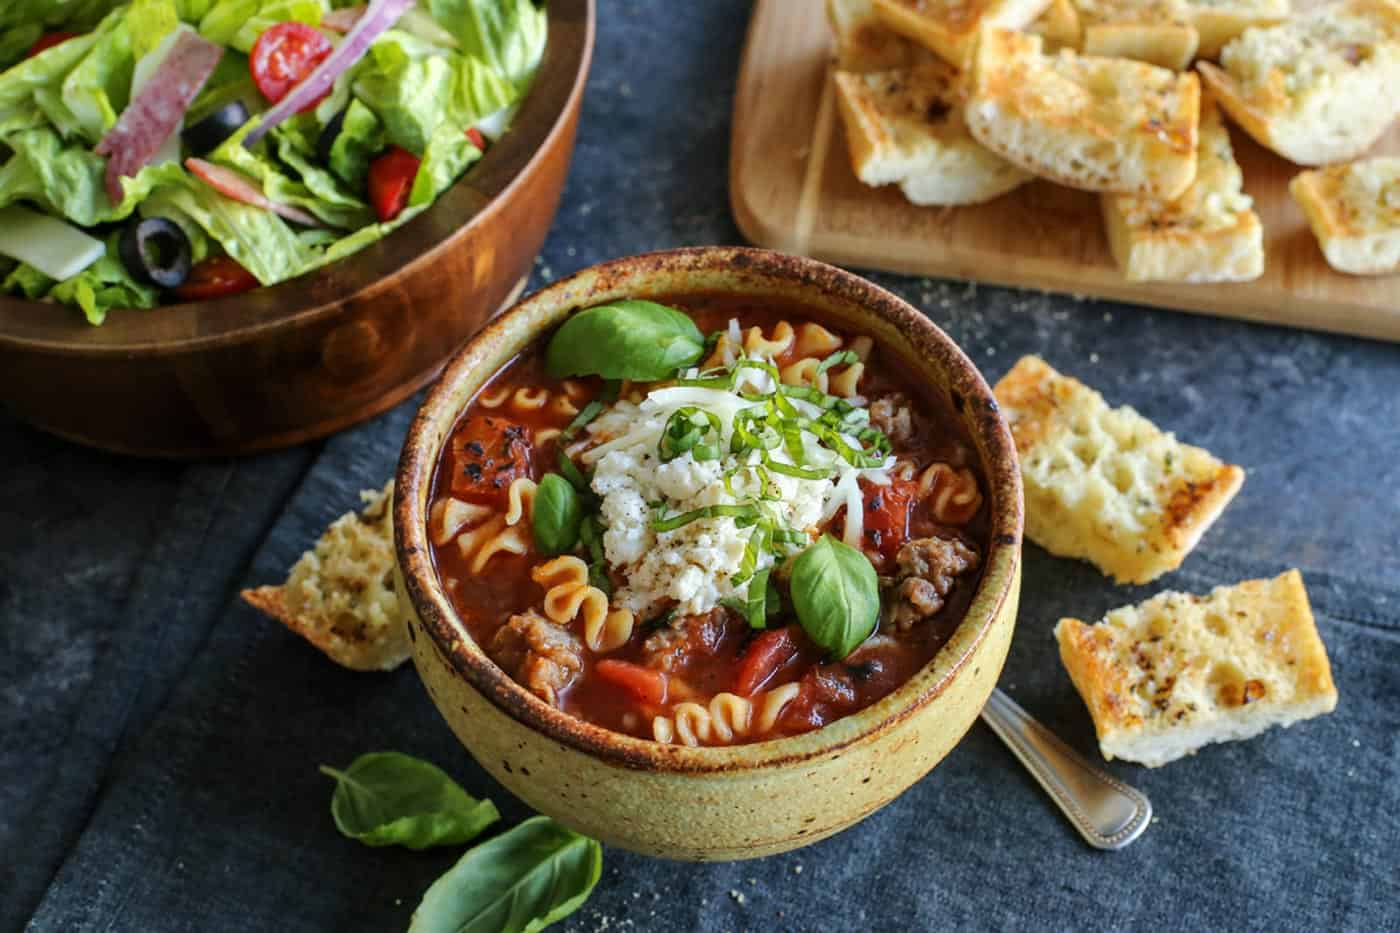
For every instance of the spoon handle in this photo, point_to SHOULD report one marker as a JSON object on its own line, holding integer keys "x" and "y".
{"x": 1108, "y": 813}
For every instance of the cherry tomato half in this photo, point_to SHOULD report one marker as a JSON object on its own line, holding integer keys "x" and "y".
{"x": 283, "y": 56}
{"x": 477, "y": 139}
{"x": 48, "y": 40}
{"x": 391, "y": 181}
{"x": 216, "y": 277}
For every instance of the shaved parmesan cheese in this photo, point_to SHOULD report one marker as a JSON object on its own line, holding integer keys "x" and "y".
{"x": 55, "y": 248}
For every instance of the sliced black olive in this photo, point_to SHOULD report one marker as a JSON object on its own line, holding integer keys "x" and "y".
{"x": 328, "y": 137}
{"x": 207, "y": 134}
{"x": 155, "y": 251}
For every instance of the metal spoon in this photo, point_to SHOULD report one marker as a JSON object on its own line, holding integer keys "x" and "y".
{"x": 1108, "y": 813}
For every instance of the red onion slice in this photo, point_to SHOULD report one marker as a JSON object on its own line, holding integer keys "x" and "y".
{"x": 240, "y": 187}
{"x": 157, "y": 109}
{"x": 378, "y": 17}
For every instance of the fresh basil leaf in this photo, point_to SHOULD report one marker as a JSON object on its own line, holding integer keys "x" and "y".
{"x": 836, "y": 595}
{"x": 557, "y": 514}
{"x": 388, "y": 798}
{"x": 519, "y": 882}
{"x": 638, "y": 340}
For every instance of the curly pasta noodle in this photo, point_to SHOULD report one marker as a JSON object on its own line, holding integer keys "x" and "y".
{"x": 727, "y": 717}
{"x": 543, "y": 436}
{"x": 480, "y": 534}
{"x": 568, "y": 596}
{"x": 953, "y": 493}
{"x": 804, "y": 373}
{"x": 815, "y": 340}
{"x": 449, "y": 516}
{"x": 520, "y": 500}
{"x": 779, "y": 343}
{"x": 724, "y": 354}
{"x": 494, "y": 396}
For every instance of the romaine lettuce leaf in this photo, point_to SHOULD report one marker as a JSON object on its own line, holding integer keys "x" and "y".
{"x": 18, "y": 84}
{"x": 413, "y": 87}
{"x": 329, "y": 201}
{"x": 360, "y": 140}
{"x": 105, "y": 285}
{"x": 447, "y": 157}
{"x": 99, "y": 288}
{"x": 259, "y": 240}
{"x": 27, "y": 281}
{"x": 238, "y": 23}
{"x": 68, "y": 181}
{"x": 508, "y": 35}
{"x": 97, "y": 88}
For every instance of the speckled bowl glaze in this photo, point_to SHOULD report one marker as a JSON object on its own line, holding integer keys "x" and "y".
{"x": 711, "y": 803}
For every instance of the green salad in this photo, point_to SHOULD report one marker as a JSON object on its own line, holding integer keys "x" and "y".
{"x": 157, "y": 151}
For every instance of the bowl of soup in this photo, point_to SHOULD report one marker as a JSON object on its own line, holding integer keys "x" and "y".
{"x": 709, "y": 553}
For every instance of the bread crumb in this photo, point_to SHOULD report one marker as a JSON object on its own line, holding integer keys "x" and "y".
{"x": 797, "y": 869}
{"x": 737, "y": 896}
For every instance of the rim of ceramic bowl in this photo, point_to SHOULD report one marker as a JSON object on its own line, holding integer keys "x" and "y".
{"x": 485, "y": 189}
{"x": 897, "y": 326}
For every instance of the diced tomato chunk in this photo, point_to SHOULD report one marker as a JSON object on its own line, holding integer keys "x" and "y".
{"x": 488, "y": 454}
{"x": 48, "y": 40}
{"x": 642, "y": 683}
{"x": 887, "y": 511}
{"x": 391, "y": 181}
{"x": 284, "y": 56}
{"x": 764, "y": 656}
{"x": 477, "y": 139}
{"x": 216, "y": 277}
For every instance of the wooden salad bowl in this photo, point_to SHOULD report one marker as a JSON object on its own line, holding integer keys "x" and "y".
{"x": 281, "y": 365}
{"x": 720, "y": 802}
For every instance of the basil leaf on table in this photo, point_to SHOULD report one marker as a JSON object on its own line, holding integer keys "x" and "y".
{"x": 519, "y": 882}
{"x": 388, "y": 798}
{"x": 557, "y": 513}
{"x": 633, "y": 339}
{"x": 836, "y": 595}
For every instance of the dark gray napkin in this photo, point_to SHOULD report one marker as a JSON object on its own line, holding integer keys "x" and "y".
{"x": 218, "y": 819}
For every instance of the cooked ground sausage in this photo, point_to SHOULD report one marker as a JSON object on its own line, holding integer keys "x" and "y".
{"x": 891, "y": 415}
{"x": 688, "y": 636}
{"x": 538, "y": 654}
{"x": 928, "y": 569}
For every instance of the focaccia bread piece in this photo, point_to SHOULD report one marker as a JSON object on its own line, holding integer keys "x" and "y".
{"x": 1106, "y": 484}
{"x": 1100, "y": 124}
{"x": 1354, "y": 211}
{"x": 1158, "y": 32}
{"x": 340, "y": 595}
{"x": 1164, "y": 678}
{"x": 1058, "y": 26}
{"x": 1219, "y": 21}
{"x": 950, "y": 27}
{"x": 1208, "y": 234}
{"x": 906, "y": 126}
{"x": 1322, "y": 87}
{"x": 863, "y": 43}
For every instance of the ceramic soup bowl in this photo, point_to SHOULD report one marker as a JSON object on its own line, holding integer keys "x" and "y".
{"x": 730, "y": 802}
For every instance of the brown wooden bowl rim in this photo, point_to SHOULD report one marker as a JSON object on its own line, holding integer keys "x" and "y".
{"x": 485, "y": 189}
{"x": 453, "y": 643}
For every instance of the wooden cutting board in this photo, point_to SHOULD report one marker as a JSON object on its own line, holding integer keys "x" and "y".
{"x": 791, "y": 188}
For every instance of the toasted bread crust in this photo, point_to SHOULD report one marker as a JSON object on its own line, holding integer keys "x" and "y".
{"x": 863, "y": 43}
{"x": 1158, "y": 32}
{"x": 336, "y": 596}
{"x": 906, "y": 126}
{"x": 1354, "y": 211}
{"x": 1090, "y": 123}
{"x": 1163, "y": 678}
{"x": 1208, "y": 234}
{"x": 1218, "y": 22}
{"x": 950, "y": 27}
{"x": 1319, "y": 87}
{"x": 1134, "y": 511}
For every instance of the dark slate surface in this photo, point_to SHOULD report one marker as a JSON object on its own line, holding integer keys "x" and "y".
{"x": 158, "y": 741}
